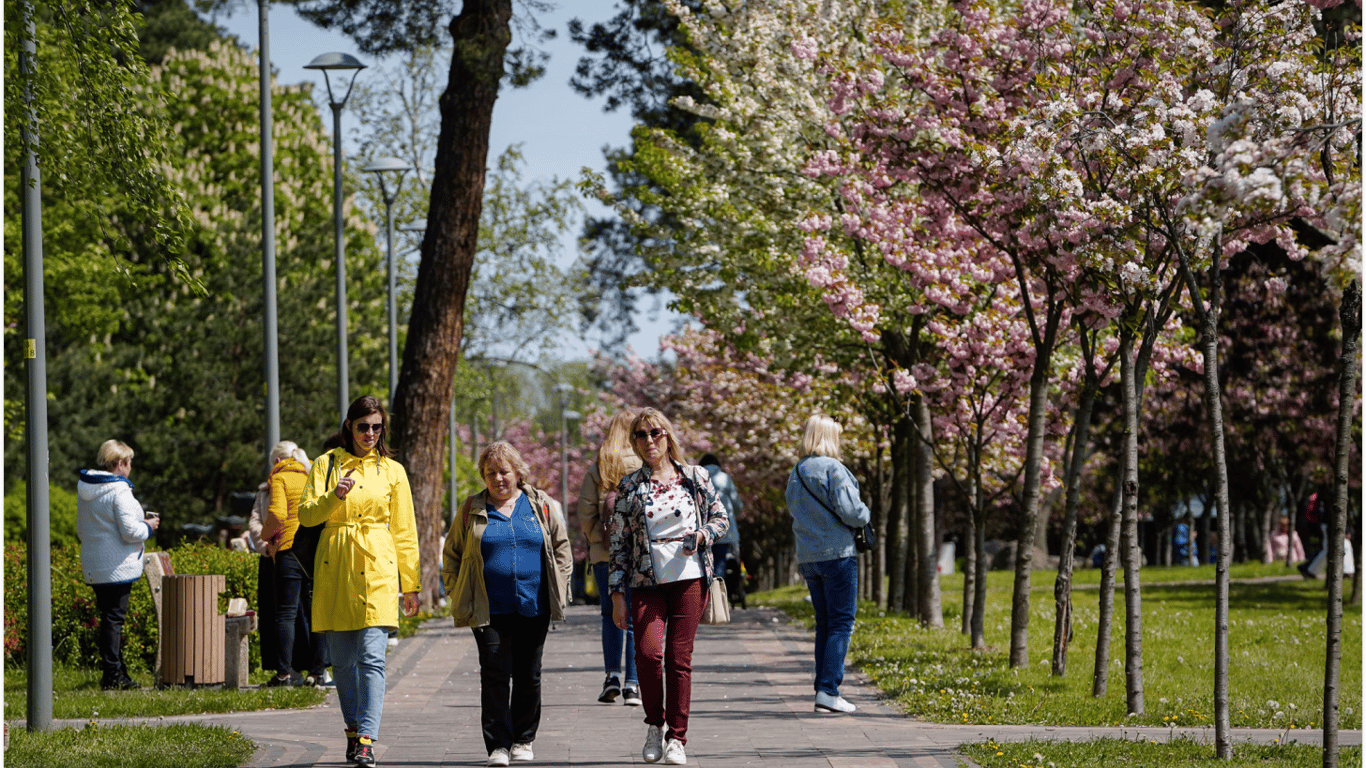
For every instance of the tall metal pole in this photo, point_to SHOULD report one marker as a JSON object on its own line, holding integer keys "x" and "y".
{"x": 564, "y": 456}
{"x": 393, "y": 292}
{"x": 271, "y": 321}
{"x": 343, "y": 375}
{"x": 39, "y": 531}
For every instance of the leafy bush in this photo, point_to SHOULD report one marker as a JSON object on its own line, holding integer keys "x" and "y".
{"x": 75, "y": 620}
{"x": 61, "y": 512}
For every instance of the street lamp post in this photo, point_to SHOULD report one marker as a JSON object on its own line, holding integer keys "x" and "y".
{"x": 339, "y": 62}
{"x": 565, "y": 416}
{"x": 379, "y": 168}
{"x": 270, "y": 321}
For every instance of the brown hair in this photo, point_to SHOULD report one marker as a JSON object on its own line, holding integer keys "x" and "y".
{"x": 360, "y": 408}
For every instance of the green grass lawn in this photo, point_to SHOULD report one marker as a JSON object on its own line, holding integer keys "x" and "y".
{"x": 130, "y": 746}
{"x": 1276, "y": 643}
{"x": 1178, "y": 752}
{"x": 76, "y": 694}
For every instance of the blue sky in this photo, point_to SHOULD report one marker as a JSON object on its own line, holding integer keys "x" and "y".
{"x": 560, "y": 131}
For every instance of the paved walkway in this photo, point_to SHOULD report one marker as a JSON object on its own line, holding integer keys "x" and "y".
{"x": 752, "y": 706}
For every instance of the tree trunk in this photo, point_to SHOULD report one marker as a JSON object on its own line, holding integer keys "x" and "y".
{"x": 979, "y": 544}
{"x": 1024, "y": 548}
{"x": 1209, "y": 353}
{"x": 1100, "y": 677}
{"x": 928, "y": 597}
{"x": 1337, "y": 523}
{"x": 1130, "y": 552}
{"x": 969, "y": 570}
{"x": 897, "y": 513}
{"x": 879, "y": 558}
{"x": 1062, "y": 587}
{"x": 421, "y": 405}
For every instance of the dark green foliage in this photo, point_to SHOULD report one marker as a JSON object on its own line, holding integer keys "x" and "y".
{"x": 61, "y": 514}
{"x": 173, "y": 24}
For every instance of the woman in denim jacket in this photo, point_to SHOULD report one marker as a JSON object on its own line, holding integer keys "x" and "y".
{"x": 823, "y": 498}
{"x": 666, "y": 518}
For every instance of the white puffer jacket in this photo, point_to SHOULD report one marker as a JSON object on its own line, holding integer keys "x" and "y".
{"x": 111, "y": 526}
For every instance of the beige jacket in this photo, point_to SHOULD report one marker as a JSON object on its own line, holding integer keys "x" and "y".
{"x": 462, "y": 561}
{"x": 590, "y": 515}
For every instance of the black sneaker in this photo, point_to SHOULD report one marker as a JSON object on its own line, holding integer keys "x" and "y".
{"x": 1306, "y": 573}
{"x": 293, "y": 680}
{"x": 611, "y": 689}
{"x": 630, "y": 696}
{"x": 352, "y": 741}
{"x": 121, "y": 683}
{"x": 365, "y": 751}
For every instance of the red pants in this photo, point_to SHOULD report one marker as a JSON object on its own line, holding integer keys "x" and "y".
{"x": 665, "y": 620}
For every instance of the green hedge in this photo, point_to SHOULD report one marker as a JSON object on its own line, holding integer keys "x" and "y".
{"x": 75, "y": 620}
{"x": 61, "y": 504}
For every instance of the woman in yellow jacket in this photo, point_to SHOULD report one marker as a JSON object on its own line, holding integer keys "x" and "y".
{"x": 506, "y": 562}
{"x": 367, "y": 556}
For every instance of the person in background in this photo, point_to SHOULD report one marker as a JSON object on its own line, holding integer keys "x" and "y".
{"x": 616, "y": 459}
{"x": 730, "y": 499}
{"x": 664, "y": 521}
{"x": 112, "y": 527}
{"x": 1281, "y": 542}
{"x": 823, "y": 498}
{"x": 506, "y": 566}
{"x": 265, "y": 576}
{"x": 293, "y": 581}
{"x": 367, "y": 558}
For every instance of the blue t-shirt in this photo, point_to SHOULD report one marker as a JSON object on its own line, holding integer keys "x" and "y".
{"x": 513, "y": 562}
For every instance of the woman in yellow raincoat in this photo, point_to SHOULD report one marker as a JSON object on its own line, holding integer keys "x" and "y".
{"x": 367, "y": 556}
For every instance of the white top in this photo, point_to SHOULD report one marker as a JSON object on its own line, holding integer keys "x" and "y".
{"x": 671, "y": 515}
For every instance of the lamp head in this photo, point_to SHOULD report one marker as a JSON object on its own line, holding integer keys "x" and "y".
{"x": 330, "y": 61}
{"x": 382, "y": 164}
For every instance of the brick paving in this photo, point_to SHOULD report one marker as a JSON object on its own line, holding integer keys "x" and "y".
{"x": 752, "y": 706}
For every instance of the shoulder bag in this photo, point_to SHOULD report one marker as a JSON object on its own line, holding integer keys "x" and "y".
{"x": 865, "y": 538}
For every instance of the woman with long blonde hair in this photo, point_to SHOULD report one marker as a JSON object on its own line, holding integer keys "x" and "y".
{"x": 616, "y": 459}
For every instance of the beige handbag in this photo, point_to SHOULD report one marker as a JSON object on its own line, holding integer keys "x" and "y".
{"x": 718, "y": 604}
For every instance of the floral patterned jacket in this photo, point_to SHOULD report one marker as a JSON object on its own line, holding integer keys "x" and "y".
{"x": 629, "y": 535}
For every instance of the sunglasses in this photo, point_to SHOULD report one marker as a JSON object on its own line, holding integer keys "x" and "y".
{"x": 368, "y": 428}
{"x": 653, "y": 434}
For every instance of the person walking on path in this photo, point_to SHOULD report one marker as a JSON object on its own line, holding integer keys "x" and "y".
{"x": 730, "y": 499}
{"x": 112, "y": 527}
{"x": 367, "y": 556}
{"x": 665, "y": 519}
{"x": 506, "y": 566}
{"x": 823, "y": 498}
{"x": 597, "y": 495}
{"x": 292, "y": 579}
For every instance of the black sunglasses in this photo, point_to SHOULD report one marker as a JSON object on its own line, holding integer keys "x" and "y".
{"x": 367, "y": 428}
{"x": 653, "y": 434}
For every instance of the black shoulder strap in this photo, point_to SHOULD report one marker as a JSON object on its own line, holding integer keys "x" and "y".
{"x": 331, "y": 462}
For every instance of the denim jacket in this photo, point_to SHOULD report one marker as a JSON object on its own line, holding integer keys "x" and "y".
{"x": 629, "y": 534}
{"x": 818, "y": 534}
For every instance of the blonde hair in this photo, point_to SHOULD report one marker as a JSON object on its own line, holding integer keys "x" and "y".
{"x": 616, "y": 459}
{"x": 650, "y": 417}
{"x": 288, "y": 449}
{"x": 111, "y": 453}
{"x": 821, "y": 437}
{"x": 502, "y": 450}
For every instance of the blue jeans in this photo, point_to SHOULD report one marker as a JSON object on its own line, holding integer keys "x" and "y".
{"x": 834, "y": 596}
{"x": 614, "y": 641}
{"x": 358, "y": 668}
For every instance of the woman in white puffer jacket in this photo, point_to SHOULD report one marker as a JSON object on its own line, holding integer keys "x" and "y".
{"x": 112, "y": 528}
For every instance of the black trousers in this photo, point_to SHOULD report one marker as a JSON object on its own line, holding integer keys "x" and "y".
{"x": 510, "y": 649}
{"x": 111, "y": 600}
{"x": 296, "y": 643}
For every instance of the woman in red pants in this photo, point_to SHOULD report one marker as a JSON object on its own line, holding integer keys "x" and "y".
{"x": 662, "y": 527}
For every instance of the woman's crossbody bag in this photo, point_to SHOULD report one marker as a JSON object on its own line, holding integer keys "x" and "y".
{"x": 865, "y": 538}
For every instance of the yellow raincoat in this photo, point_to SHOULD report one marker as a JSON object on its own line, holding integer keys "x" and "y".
{"x": 367, "y": 554}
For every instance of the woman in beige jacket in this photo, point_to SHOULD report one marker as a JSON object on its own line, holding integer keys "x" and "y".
{"x": 505, "y": 566}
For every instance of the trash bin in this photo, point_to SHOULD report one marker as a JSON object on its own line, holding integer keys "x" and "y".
{"x": 192, "y": 630}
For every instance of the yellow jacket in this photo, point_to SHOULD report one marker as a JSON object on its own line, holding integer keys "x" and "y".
{"x": 462, "y": 562}
{"x": 367, "y": 554}
{"x": 286, "y": 481}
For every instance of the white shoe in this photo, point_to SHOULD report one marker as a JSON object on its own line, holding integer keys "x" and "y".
{"x": 674, "y": 754}
{"x": 827, "y": 703}
{"x": 521, "y": 753}
{"x": 499, "y": 756}
{"x": 654, "y": 745}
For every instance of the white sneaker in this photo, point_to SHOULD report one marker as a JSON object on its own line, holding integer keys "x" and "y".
{"x": 521, "y": 753}
{"x": 499, "y": 756}
{"x": 827, "y": 703}
{"x": 674, "y": 754}
{"x": 654, "y": 745}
